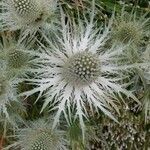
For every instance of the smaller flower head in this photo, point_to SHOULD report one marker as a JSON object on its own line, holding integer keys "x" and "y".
{"x": 15, "y": 56}
{"x": 40, "y": 136}
{"x": 30, "y": 14}
{"x": 129, "y": 28}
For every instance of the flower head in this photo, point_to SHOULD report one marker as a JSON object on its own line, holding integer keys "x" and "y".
{"x": 76, "y": 79}
{"x": 15, "y": 56}
{"x": 129, "y": 28}
{"x": 30, "y": 14}
{"x": 81, "y": 69}
{"x": 40, "y": 136}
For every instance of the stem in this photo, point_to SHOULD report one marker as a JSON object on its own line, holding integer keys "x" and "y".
{"x": 4, "y": 135}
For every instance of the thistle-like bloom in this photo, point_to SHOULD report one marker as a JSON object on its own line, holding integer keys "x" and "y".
{"x": 15, "y": 56}
{"x": 29, "y": 14}
{"x": 129, "y": 28}
{"x": 39, "y": 135}
{"x": 76, "y": 79}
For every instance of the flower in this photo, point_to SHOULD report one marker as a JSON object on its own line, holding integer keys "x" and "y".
{"x": 128, "y": 27}
{"x": 39, "y": 136}
{"x": 74, "y": 77}
{"x": 14, "y": 55}
{"x": 28, "y": 14}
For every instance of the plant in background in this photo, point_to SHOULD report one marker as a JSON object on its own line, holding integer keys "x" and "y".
{"x": 25, "y": 14}
{"x": 8, "y": 125}
{"x": 127, "y": 134}
{"x": 128, "y": 27}
{"x": 39, "y": 135}
{"x": 15, "y": 63}
{"x": 14, "y": 55}
{"x": 8, "y": 92}
{"x": 75, "y": 135}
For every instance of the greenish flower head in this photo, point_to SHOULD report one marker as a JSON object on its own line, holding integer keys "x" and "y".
{"x": 16, "y": 58}
{"x": 42, "y": 140}
{"x": 39, "y": 135}
{"x": 128, "y": 27}
{"x": 24, "y": 7}
{"x": 82, "y": 68}
{"x": 28, "y": 9}
{"x": 126, "y": 32}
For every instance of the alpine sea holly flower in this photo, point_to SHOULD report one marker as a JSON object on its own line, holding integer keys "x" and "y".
{"x": 39, "y": 135}
{"x": 28, "y": 14}
{"x": 128, "y": 27}
{"x": 15, "y": 56}
{"x": 73, "y": 75}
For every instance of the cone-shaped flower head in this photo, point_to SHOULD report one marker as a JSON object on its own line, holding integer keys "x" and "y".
{"x": 30, "y": 14}
{"x": 39, "y": 135}
{"x": 15, "y": 56}
{"x": 74, "y": 76}
{"x": 129, "y": 28}
{"x": 82, "y": 68}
